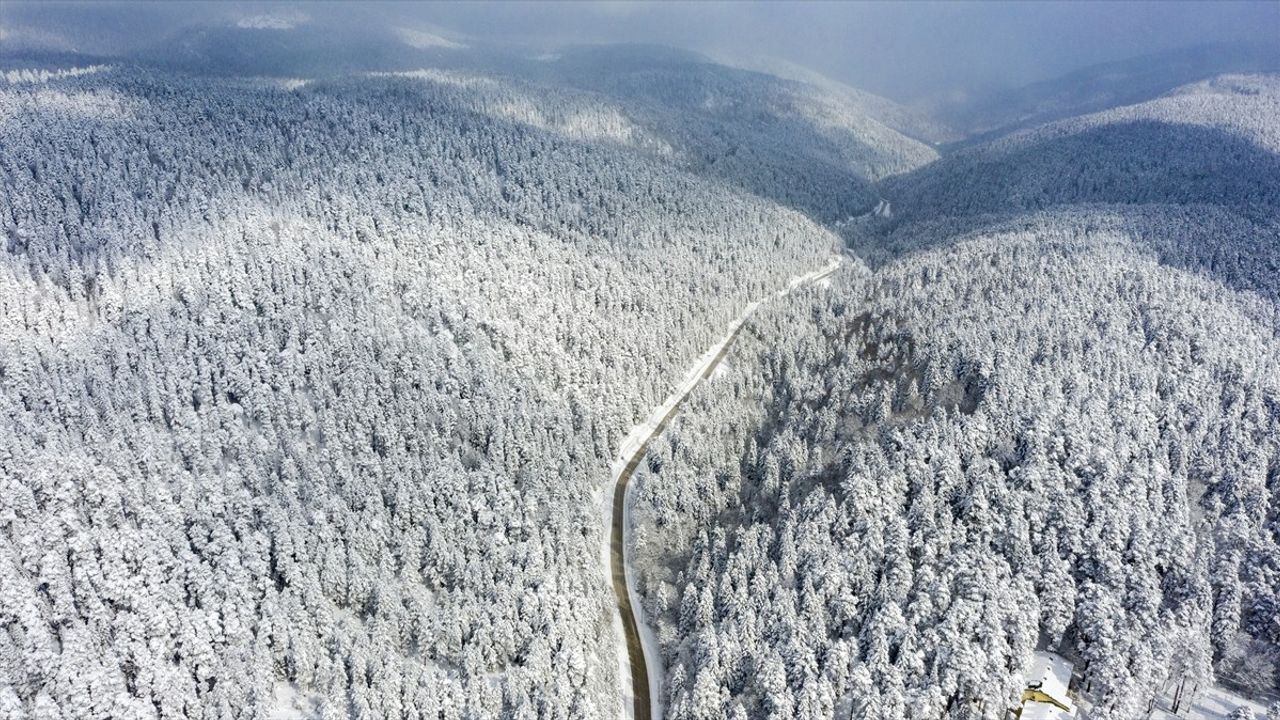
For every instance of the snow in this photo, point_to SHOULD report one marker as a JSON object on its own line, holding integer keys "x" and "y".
{"x": 626, "y": 699}
{"x": 882, "y": 209}
{"x": 16, "y": 77}
{"x": 289, "y": 703}
{"x": 1044, "y": 711}
{"x": 90, "y": 105}
{"x": 724, "y": 364}
{"x": 641, "y": 432}
{"x": 273, "y": 21}
{"x": 1208, "y": 703}
{"x": 423, "y": 40}
{"x": 632, "y": 444}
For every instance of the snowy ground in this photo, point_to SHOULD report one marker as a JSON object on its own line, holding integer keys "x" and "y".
{"x": 289, "y": 703}
{"x": 1208, "y": 703}
{"x": 633, "y": 443}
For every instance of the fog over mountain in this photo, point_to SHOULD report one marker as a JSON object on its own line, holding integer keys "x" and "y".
{"x": 901, "y": 361}
{"x": 911, "y": 52}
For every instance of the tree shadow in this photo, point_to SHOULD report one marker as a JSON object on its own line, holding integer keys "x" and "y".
{"x": 1139, "y": 162}
{"x": 1199, "y": 199}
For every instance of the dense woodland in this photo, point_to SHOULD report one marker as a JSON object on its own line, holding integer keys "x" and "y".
{"x": 310, "y": 388}
{"x": 318, "y": 388}
{"x": 1055, "y": 428}
{"x": 818, "y": 149}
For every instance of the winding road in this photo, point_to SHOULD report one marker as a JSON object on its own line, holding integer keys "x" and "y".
{"x": 647, "y": 676}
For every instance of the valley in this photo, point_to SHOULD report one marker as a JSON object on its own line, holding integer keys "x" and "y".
{"x": 391, "y": 372}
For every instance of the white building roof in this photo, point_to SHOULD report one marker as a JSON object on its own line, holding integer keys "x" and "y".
{"x": 1050, "y": 674}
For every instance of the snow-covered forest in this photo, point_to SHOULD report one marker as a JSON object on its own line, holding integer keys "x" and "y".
{"x": 316, "y": 365}
{"x": 1051, "y": 427}
{"x": 314, "y": 386}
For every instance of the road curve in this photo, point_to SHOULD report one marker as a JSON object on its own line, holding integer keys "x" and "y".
{"x": 642, "y": 705}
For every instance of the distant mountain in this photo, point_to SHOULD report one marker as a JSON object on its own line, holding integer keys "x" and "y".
{"x": 908, "y": 121}
{"x": 1215, "y": 142}
{"x": 1103, "y": 86}
{"x": 11, "y": 59}
{"x": 815, "y": 148}
{"x": 1193, "y": 176}
{"x": 309, "y": 50}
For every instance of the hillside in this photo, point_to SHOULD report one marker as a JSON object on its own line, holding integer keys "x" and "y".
{"x": 1215, "y": 142}
{"x": 1037, "y": 434}
{"x": 393, "y": 374}
{"x": 1104, "y": 86}
{"x": 1206, "y": 155}
{"x": 310, "y": 391}
{"x": 803, "y": 145}
{"x": 911, "y": 122}
{"x": 1048, "y": 418}
{"x": 814, "y": 146}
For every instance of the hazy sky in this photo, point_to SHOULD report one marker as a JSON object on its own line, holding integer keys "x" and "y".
{"x": 905, "y": 50}
{"x": 899, "y": 49}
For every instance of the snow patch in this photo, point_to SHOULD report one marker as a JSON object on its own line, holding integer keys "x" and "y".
{"x": 273, "y": 21}
{"x": 94, "y": 105}
{"x": 724, "y": 365}
{"x": 587, "y": 121}
{"x": 31, "y": 76}
{"x": 1206, "y": 703}
{"x": 422, "y": 40}
{"x": 442, "y": 77}
{"x": 288, "y": 702}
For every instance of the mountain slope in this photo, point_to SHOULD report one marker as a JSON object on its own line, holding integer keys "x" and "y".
{"x": 1047, "y": 419}
{"x": 1104, "y": 86}
{"x": 815, "y": 147}
{"x": 302, "y": 390}
{"x": 1215, "y": 142}
{"x": 794, "y": 142}
{"x": 910, "y": 122}
{"x": 1035, "y": 434}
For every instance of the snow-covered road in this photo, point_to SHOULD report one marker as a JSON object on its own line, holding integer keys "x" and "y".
{"x": 638, "y": 656}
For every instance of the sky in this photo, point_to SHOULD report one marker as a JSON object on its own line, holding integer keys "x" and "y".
{"x": 907, "y": 51}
